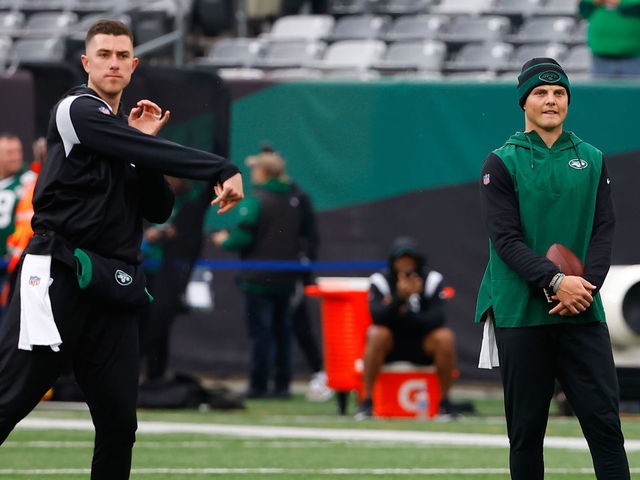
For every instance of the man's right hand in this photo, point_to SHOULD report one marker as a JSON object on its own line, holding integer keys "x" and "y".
{"x": 228, "y": 194}
{"x": 574, "y": 295}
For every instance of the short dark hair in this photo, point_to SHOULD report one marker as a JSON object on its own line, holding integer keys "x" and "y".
{"x": 9, "y": 136}
{"x": 107, "y": 27}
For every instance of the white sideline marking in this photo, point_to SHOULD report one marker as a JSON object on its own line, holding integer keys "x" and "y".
{"x": 274, "y": 432}
{"x": 301, "y": 471}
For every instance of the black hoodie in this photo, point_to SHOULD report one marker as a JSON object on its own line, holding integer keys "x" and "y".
{"x": 102, "y": 177}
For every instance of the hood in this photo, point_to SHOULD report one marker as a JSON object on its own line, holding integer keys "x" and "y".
{"x": 406, "y": 246}
{"x": 533, "y": 140}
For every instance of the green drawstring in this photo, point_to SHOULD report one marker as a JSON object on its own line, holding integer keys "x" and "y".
{"x": 530, "y": 149}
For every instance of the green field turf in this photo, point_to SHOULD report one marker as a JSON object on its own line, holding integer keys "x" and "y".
{"x": 63, "y": 454}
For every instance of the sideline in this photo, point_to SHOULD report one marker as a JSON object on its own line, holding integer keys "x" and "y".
{"x": 277, "y": 432}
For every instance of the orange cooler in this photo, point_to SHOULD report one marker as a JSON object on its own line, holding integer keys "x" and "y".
{"x": 406, "y": 392}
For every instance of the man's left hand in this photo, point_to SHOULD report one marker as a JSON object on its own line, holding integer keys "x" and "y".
{"x": 228, "y": 194}
{"x": 147, "y": 117}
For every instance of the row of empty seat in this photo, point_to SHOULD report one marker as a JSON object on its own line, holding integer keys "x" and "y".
{"x": 360, "y": 55}
{"x": 455, "y": 7}
{"x": 460, "y": 29}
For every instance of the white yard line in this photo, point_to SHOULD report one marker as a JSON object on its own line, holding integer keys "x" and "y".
{"x": 335, "y": 434}
{"x": 301, "y": 471}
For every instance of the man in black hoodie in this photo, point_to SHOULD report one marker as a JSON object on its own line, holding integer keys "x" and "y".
{"x": 407, "y": 309}
{"x": 81, "y": 287}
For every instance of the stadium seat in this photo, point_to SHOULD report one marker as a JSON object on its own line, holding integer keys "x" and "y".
{"x": 360, "y": 27}
{"x": 46, "y": 24}
{"x": 212, "y": 16}
{"x": 490, "y": 56}
{"x": 462, "y": 7}
{"x": 559, "y": 7}
{"x": 416, "y": 27}
{"x": 41, "y": 5}
{"x": 425, "y": 56}
{"x": 349, "y": 7}
{"x": 520, "y": 8}
{"x": 578, "y": 60}
{"x": 150, "y": 25}
{"x": 241, "y": 73}
{"x": 301, "y": 27}
{"x": 352, "y": 55}
{"x": 545, "y": 30}
{"x": 230, "y": 53}
{"x": 402, "y": 7}
{"x": 525, "y": 53}
{"x": 11, "y": 22}
{"x": 291, "y": 55}
{"x": 84, "y": 6}
{"x": 5, "y": 52}
{"x": 477, "y": 29}
{"x": 294, "y": 73}
{"x": 579, "y": 34}
{"x": 38, "y": 50}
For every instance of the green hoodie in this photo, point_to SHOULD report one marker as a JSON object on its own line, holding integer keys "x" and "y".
{"x": 556, "y": 189}
{"x": 613, "y": 32}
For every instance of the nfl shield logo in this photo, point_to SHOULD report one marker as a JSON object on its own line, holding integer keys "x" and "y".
{"x": 486, "y": 179}
{"x": 34, "y": 281}
{"x": 104, "y": 110}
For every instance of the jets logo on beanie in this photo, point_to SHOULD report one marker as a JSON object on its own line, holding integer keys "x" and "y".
{"x": 541, "y": 71}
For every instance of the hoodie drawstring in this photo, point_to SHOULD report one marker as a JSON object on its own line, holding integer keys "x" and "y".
{"x": 575, "y": 149}
{"x": 530, "y": 149}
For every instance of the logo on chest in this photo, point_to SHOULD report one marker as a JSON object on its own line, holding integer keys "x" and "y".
{"x": 578, "y": 164}
{"x": 123, "y": 278}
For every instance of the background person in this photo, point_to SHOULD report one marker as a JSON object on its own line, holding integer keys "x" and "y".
{"x": 407, "y": 309}
{"x": 268, "y": 229}
{"x": 529, "y": 192}
{"x": 613, "y": 36}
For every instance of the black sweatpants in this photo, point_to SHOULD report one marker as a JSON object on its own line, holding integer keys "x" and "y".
{"x": 102, "y": 344}
{"x": 579, "y": 357}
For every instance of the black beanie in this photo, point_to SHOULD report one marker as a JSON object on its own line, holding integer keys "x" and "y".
{"x": 540, "y": 71}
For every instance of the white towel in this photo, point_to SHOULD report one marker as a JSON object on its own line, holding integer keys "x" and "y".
{"x": 489, "y": 350}
{"x": 37, "y": 326}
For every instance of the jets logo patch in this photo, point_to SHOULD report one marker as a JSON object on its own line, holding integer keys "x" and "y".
{"x": 578, "y": 164}
{"x": 549, "y": 76}
{"x": 123, "y": 278}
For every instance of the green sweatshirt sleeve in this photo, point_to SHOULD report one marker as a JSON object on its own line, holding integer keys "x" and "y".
{"x": 242, "y": 235}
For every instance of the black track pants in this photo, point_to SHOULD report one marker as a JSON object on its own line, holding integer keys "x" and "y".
{"x": 102, "y": 344}
{"x": 580, "y": 357}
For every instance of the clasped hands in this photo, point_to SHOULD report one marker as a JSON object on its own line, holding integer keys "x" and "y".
{"x": 574, "y": 295}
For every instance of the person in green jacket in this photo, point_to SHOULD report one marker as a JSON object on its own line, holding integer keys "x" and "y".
{"x": 544, "y": 186}
{"x": 613, "y": 36}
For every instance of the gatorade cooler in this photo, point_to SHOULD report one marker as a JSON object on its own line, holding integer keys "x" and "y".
{"x": 345, "y": 319}
{"x": 406, "y": 390}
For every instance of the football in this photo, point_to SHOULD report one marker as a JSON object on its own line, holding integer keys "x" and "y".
{"x": 565, "y": 259}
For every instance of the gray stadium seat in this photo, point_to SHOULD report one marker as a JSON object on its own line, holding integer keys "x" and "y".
{"x": 425, "y": 56}
{"x": 545, "y": 30}
{"x": 402, "y": 7}
{"x": 38, "y": 50}
{"x": 526, "y": 52}
{"x": 489, "y": 56}
{"x": 301, "y": 27}
{"x": 477, "y": 29}
{"x": 241, "y": 73}
{"x": 352, "y": 55}
{"x": 46, "y": 24}
{"x": 559, "y": 7}
{"x": 232, "y": 53}
{"x": 291, "y": 55}
{"x": 360, "y": 27}
{"x": 521, "y": 8}
{"x": 5, "y": 52}
{"x": 11, "y": 22}
{"x": 349, "y": 7}
{"x": 462, "y": 7}
{"x": 416, "y": 27}
{"x": 579, "y": 34}
{"x": 42, "y": 5}
{"x": 84, "y": 6}
{"x": 578, "y": 60}
{"x": 294, "y": 73}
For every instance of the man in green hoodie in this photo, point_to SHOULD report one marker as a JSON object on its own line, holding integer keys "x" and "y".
{"x": 546, "y": 186}
{"x": 613, "y": 36}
